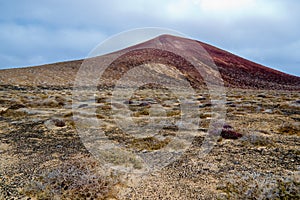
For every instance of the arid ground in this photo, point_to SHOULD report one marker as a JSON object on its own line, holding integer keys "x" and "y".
{"x": 42, "y": 156}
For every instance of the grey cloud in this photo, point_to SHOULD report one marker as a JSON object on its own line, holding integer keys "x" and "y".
{"x": 59, "y": 30}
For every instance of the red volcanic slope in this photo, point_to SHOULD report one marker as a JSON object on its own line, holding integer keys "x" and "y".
{"x": 235, "y": 71}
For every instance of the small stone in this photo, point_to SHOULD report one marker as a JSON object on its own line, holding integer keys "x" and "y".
{"x": 261, "y": 96}
{"x": 150, "y": 100}
{"x": 270, "y": 111}
{"x": 236, "y": 162}
{"x": 205, "y": 105}
{"x": 258, "y": 109}
{"x": 82, "y": 105}
{"x": 200, "y": 98}
{"x": 144, "y": 104}
{"x": 101, "y": 99}
{"x": 128, "y": 102}
{"x": 231, "y": 104}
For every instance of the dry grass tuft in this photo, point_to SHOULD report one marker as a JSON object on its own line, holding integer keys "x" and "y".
{"x": 289, "y": 129}
{"x": 149, "y": 143}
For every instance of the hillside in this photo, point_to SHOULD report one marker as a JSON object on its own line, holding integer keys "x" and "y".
{"x": 235, "y": 71}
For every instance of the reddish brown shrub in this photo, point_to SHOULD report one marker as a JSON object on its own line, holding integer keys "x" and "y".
{"x": 230, "y": 134}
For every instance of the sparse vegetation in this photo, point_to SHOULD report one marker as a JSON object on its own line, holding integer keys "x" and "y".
{"x": 149, "y": 143}
{"x": 38, "y": 128}
{"x": 262, "y": 186}
{"x": 289, "y": 129}
{"x": 258, "y": 140}
{"x": 141, "y": 112}
{"x": 77, "y": 178}
{"x": 172, "y": 113}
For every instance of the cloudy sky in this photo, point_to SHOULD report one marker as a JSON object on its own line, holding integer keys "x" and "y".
{"x": 45, "y": 31}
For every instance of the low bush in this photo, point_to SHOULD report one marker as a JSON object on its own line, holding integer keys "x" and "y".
{"x": 77, "y": 178}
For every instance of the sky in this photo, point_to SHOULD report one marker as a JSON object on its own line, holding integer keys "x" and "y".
{"x": 35, "y": 32}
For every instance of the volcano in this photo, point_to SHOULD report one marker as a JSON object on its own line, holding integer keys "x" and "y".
{"x": 236, "y": 72}
{"x": 57, "y": 140}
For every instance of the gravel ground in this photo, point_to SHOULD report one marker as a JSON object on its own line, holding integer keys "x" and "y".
{"x": 43, "y": 157}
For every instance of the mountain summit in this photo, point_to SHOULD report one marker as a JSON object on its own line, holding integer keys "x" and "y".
{"x": 235, "y": 71}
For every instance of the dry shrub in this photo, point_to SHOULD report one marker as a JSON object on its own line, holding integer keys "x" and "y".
{"x": 49, "y": 102}
{"x": 13, "y": 113}
{"x": 104, "y": 107}
{"x": 252, "y": 185}
{"x": 77, "y": 178}
{"x": 172, "y": 113}
{"x": 289, "y": 129}
{"x": 257, "y": 139}
{"x": 149, "y": 143}
{"x": 142, "y": 112}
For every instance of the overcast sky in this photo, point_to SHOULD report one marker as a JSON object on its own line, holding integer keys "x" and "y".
{"x": 45, "y": 31}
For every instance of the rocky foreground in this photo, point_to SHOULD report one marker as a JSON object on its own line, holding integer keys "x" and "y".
{"x": 43, "y": 157}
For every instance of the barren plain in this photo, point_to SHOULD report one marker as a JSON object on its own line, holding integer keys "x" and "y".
{"x": 43, "y": 157}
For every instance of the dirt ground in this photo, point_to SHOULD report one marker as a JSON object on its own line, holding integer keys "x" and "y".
{"x": 42, "y": 155}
